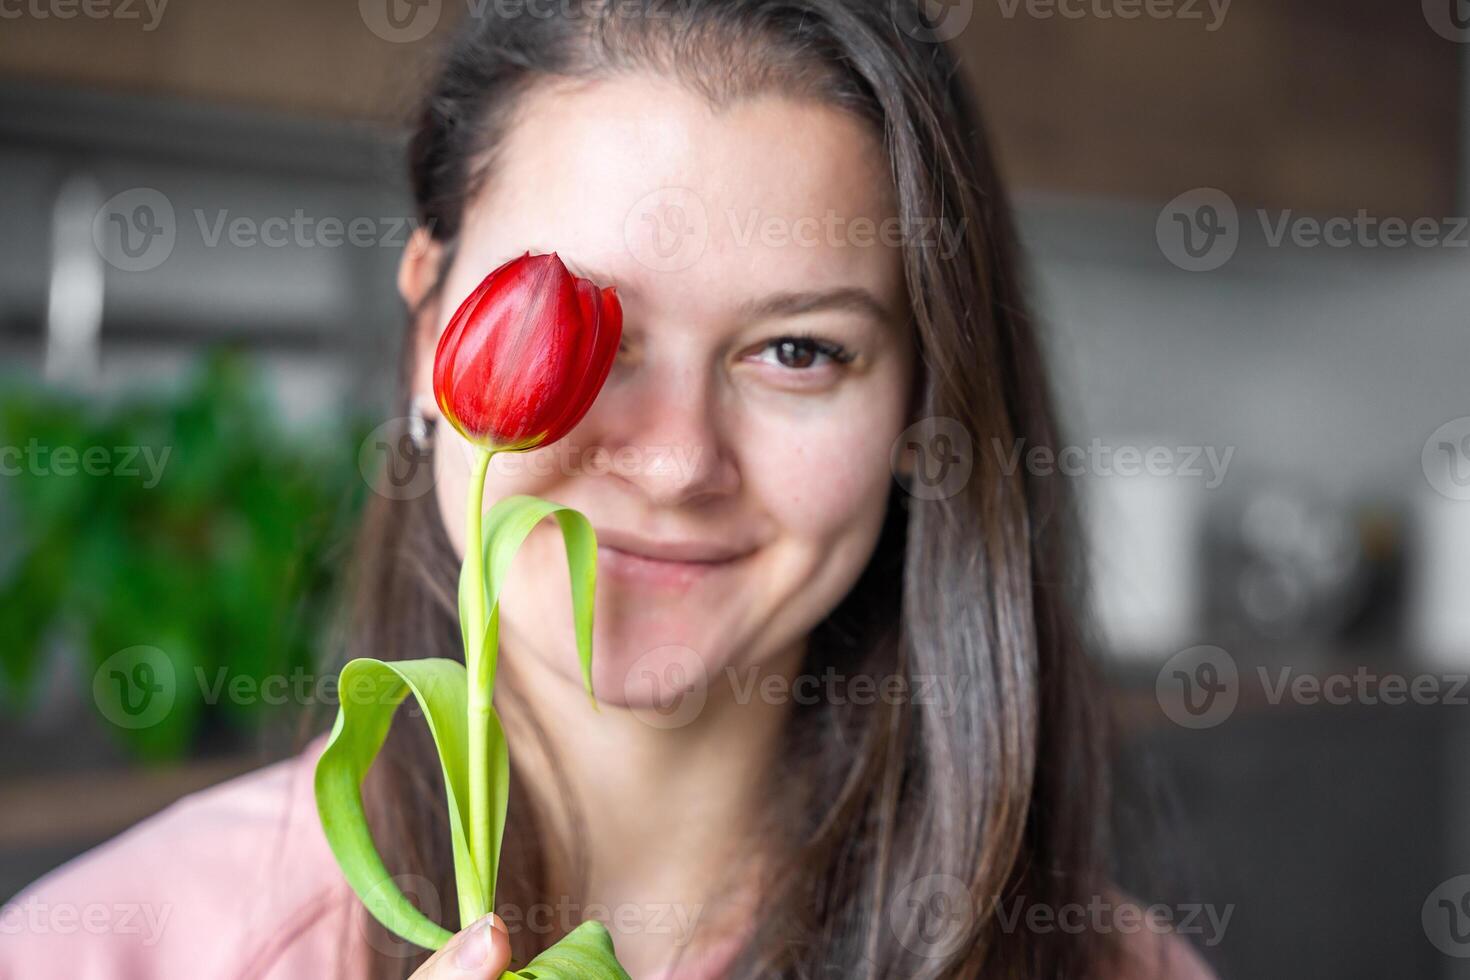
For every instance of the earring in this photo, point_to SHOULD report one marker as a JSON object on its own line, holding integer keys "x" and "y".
{"x": 420, "y": 425}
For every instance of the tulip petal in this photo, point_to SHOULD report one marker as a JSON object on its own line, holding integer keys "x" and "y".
{"x": 523, "y": 357}
{"x": 604, "y": 349}
{"x": 584, "y": 333}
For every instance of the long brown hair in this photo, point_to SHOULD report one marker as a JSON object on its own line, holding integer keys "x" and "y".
{"x": 899, "y": 808}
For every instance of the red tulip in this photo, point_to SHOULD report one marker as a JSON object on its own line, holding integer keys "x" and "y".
{"x": 526, "y": 353}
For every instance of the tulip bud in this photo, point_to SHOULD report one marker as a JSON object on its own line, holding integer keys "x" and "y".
{"x": 526, "y": 353}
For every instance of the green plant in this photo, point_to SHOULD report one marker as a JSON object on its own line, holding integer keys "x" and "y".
{"x": 197, "y": 525}
{"x": 517, "y": 367}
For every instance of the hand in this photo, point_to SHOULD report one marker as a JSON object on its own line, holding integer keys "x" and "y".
{"x": 481, "y": 952}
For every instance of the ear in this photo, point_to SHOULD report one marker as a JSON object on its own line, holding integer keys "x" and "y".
{"x": 418, "y": 275}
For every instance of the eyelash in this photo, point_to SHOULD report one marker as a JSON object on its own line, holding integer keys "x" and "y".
{"x": 834, "y": 351}
{"x": 837, "y": 353}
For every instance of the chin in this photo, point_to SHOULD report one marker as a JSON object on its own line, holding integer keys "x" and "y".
{"x": 664, "y": 684}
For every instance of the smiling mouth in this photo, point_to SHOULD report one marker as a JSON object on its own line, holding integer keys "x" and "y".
{"x": 672, "y": 566}
{"x": 659, "y": 572}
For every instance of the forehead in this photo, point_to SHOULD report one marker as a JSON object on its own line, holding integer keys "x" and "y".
{"x": 638, "y": 180}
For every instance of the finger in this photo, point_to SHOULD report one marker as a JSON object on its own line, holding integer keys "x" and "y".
{"x": 481, "y": 951}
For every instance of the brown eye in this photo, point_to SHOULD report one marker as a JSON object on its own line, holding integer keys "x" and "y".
{"x": 800, "y": 353}
{"x": 795, "y": 353}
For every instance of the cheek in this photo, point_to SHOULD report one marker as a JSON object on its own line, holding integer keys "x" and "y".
{"x": 823, "y": 482}
{"x": 536, "y": 473}
{"x": 821, "y": 475}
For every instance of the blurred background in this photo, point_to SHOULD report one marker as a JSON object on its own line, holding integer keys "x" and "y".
{"x": 1247, "y": 228}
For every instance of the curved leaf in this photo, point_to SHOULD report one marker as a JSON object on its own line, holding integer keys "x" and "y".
{"x": 506, "y": 526}
{"x": 370, "y": 692}
{"x": 585, "y": 953}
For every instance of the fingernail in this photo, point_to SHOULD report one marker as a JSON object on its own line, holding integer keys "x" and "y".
{"x": 474, "y": 949}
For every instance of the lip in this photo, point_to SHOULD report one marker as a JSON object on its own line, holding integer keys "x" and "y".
{"x": 669, "y": 564}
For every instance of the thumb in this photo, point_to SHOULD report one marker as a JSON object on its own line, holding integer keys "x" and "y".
{"x": 481, "y": 952}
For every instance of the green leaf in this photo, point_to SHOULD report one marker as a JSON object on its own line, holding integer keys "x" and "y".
{"x": 506, "y": 527}
{"x": 585, "y": 953}
{"x": 370, "y": 692}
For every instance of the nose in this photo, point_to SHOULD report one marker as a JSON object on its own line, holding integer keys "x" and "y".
{"x": 664, "y": 427}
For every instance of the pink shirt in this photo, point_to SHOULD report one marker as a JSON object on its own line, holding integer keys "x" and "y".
{"x": 235, "y": 881}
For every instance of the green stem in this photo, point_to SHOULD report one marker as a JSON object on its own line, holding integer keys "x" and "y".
{"x": 479, "y": 684}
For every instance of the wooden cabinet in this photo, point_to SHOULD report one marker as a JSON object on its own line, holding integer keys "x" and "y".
{"x": 1320, "y": 105}
{"x": 1310, "y": 104}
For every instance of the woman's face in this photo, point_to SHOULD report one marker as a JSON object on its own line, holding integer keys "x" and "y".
{"x": 736, "y": 474}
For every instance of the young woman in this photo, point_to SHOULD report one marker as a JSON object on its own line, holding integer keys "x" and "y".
{"x": 847, "y": 726}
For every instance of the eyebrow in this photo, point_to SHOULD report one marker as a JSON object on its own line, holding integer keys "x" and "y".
{"x": 853, "y": 299}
